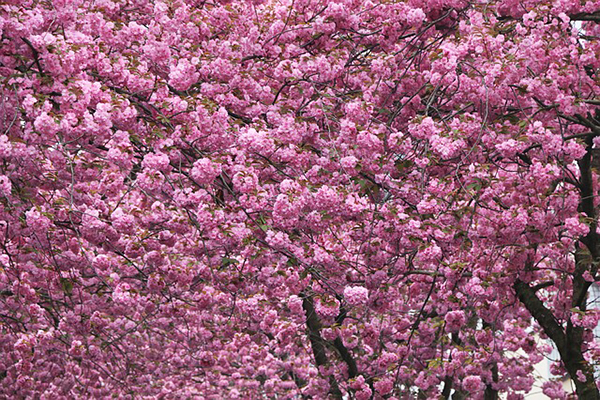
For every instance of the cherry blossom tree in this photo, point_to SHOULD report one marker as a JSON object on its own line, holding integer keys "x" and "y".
{"x": 298, "y": 198}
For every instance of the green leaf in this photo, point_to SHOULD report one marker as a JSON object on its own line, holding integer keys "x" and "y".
{"x": 228, "y": 261}
{"x": 67, "y": 285}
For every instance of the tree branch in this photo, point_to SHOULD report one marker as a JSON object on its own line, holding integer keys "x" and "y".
{"x": 595, "y": 16}
{"x": 568, "y": 344}
{"x": 316, "y": 341}
{"x": 538, "y": 310}
{"x": 36, "y": 55}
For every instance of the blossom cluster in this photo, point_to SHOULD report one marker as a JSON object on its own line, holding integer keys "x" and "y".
{"x": 297, "y": 199}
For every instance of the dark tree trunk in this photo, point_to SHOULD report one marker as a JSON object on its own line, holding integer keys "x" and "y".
{"x": 569, "y": 343}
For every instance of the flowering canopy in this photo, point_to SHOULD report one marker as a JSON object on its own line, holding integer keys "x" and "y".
{"x": 297, "y": 198}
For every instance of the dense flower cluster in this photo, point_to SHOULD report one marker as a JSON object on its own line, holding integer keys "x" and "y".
{"x": 356, "y": 295}
{"x": 297, "y": 198}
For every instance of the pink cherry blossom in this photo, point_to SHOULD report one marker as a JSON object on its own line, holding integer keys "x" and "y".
{"x": 299, "y": 199}
{"x": 356, "y": 295}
